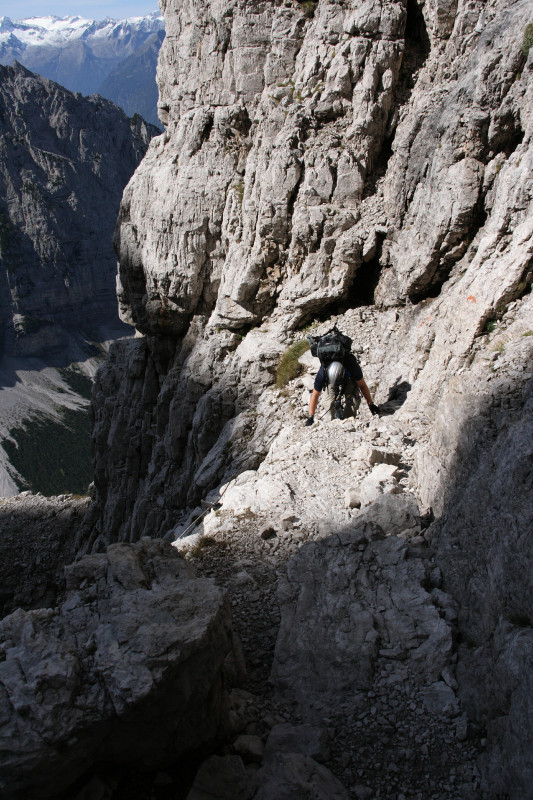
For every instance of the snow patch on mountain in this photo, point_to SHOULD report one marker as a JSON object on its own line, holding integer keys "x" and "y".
{"x": 59, "y": 31}
{"x": 81, "y": 53}
{"x": 41, "y": 30}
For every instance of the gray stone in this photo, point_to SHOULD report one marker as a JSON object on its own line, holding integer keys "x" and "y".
{"x": 379, "y": 482}
{"x": 308, "y": 740}
{"x": 289, "y": 775}
{"x": 135, "y": 638}
{"x": 287, "y": 522}
{"x": 372, "y": 455}
{"x": 380, "y": 455}
{"x": 439, "y": 698}
{"x": 249, "y": 748}
{"x": 363, "y": 792}
{"x": 394, "y": 513}
{"x": 221, "y": 778}
{"x": 352, "y": 498}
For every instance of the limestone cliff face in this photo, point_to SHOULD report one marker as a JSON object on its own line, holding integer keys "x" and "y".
{"x": 64, "y": 162}
{"x": 371, "y": 161}
{"x": 274, "y": 123}
{"x": 317, "y": 157}
{"x": 279, "y": 125}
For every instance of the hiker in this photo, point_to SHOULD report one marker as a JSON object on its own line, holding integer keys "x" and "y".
{"x": 333, "y": 350}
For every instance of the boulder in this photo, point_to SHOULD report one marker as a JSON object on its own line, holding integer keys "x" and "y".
{"x": 284, "y": 776}
{"x": 127, "y": 669}
{"x": 352, "y": 498}
{"x": 380, "y": 481}
{"x": 249, "y": 748}
{"x": 394, "y": 513}
{"x": 308, "y": 740}
{"x": 372, "y": 455}
{"x": 222, "y": 778}
{"x": 440, "y": 699}
{"x": 288, "y": 775}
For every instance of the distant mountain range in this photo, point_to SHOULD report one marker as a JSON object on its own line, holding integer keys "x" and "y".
{"x": 114, "y": 58}
{"x": 64, "y": 162}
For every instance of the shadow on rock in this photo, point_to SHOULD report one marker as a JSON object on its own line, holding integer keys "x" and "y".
{"x": 37, "y": 540}
{"x": 484, "y": 547}
{"x": 397, "y": 397}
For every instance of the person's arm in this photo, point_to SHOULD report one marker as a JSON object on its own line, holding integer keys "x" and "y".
{"x": 365, "y": 391}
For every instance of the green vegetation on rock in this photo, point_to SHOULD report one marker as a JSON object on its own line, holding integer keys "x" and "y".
{"x": 528, "y": 38}
{"x": 289, "y": 367}
{"x": 309, "y": 7}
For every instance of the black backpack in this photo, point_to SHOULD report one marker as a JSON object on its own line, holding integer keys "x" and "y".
{"x": 333, "y": 346}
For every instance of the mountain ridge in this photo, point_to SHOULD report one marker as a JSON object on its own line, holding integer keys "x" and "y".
{"x": 79, "y": 53}
{"x": 64, "y": 161}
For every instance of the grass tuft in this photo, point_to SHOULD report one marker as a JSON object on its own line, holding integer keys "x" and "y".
{"x": 528, "y": 38}
{"x": 198, "y": 549}
{"x": 288, "y": 367}
{"x": 309, "y": 7}
{"x": 238, "y": 188}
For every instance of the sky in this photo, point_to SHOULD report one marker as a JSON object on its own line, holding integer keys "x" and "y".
{"x": 91, "y": 9}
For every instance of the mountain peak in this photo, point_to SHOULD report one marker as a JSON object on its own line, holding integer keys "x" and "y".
{"x": 59, "y": 31}
{"x": 79, "y": 53}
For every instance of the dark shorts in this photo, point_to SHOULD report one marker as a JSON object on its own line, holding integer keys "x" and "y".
{"x": 351, "y": 365}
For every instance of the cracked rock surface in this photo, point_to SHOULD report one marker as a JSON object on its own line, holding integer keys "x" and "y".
{"x": 135, "y": 637}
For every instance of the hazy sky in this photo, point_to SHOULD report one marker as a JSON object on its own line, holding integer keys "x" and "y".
{"x": 91, "y": 9}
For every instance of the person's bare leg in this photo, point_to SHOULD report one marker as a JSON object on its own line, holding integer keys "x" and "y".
{"x": 313, "y": 402}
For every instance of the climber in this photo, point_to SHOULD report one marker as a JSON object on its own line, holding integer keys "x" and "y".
{"x": 333, "y": 350}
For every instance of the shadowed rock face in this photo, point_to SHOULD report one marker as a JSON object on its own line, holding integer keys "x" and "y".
{"x": 64, "y": 162}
